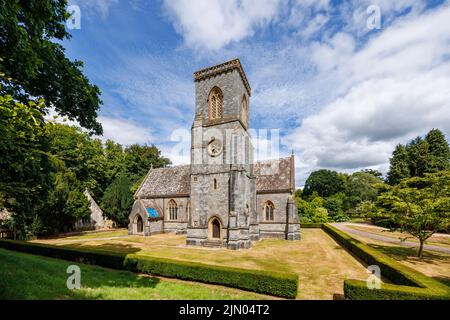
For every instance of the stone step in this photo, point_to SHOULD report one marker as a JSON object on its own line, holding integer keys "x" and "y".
{"x": 213, "y": 244}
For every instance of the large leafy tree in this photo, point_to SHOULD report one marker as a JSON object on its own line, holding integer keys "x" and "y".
{"x": 139, "y": 159}
{"x": 25, "y": 174}
{"x": 419, "y": 206}
{"x": 33, "y": 64}
{"x": 82, "y": 155}
{"x": 361, "y": 186}
{"x": 324, "y": 182}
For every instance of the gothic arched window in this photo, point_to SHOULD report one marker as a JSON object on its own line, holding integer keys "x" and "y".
{"x": 269, "y": 209}
{"x": 215, "y": 100}
{"x": 173, "y": 210}
{"x": 245, "y": 110}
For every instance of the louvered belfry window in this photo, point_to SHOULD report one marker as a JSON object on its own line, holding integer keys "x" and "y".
{"x": 215, "y": 101}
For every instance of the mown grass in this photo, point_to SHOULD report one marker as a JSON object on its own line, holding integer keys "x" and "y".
{"x": 25, "y": 276}
{"x": 321, "y": 264}
{"x": 99, "y": 234}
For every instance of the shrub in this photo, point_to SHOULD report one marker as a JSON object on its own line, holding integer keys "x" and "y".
{"x": 273, "y": 283}
{"x": 407, "y": 283}
{"x": 311, "y": 225}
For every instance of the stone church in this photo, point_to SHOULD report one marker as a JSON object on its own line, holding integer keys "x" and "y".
{"x": 223, "y": 198}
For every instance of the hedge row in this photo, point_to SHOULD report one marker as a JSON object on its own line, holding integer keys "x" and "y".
{"x": 407, "y": 283}
{"x": 272, "y": 283}
{"x": 311, "y": 225}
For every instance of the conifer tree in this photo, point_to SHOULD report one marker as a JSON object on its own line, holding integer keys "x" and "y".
{"x": 399, "y": 166}
{"x": 439, "y": 151}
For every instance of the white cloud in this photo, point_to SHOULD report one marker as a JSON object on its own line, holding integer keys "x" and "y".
{"x": 212, "y": 24}
{"x": 394, "y": 88}
{"x": 124, "y": 132}
{"x": 120, "y": 130}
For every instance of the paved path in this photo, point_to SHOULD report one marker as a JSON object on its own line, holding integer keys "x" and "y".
{"x": 345, "y": 227}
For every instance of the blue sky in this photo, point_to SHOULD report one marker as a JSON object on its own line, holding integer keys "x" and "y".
{"x": 341, "y": 95}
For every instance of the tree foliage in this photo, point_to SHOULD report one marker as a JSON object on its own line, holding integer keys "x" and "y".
{"x": 33, "y": 64}
{"x": 419, "y": 156}
{"x": 118, "y": 199}
{"x": 324, "y": 182}
{"x": 419, "y": 206}
{"x": 25, "y": 164}
{"x": 399, "y": 166}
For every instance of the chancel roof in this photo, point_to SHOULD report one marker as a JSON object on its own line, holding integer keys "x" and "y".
{"x": 271, "y": 176}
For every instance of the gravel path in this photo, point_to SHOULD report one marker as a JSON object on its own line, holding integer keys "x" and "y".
{"x": 344, "y": 227}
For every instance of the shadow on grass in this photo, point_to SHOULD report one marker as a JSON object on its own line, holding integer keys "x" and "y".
{"x": 26, "y": 276}
{"x": 116, "y": 248}
{"x": 400, "y": 253}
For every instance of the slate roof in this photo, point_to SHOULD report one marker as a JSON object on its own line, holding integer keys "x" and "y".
{"x": 271, "y": 176}
{"x": 169, "y": 181}
{"x": 274, "y": 175}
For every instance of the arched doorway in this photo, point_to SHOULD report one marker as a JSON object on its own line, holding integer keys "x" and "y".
{"x": 215, "y": 229}
{"x": 139, "y": 225}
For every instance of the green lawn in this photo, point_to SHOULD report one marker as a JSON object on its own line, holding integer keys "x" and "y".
{"x": 100, "y": 234}
{"x": 25, "y": 276}
{"x": 321, "y": 264}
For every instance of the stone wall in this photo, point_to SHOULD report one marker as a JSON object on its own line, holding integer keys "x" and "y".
{"x": 277, "y": 227}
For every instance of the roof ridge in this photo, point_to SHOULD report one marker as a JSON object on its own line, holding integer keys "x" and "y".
{"x": 273, "y": 159}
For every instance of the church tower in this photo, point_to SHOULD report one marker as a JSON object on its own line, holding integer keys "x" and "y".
{"x": 222, "y": 181}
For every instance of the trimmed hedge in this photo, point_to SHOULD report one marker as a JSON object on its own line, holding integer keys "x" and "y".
{"x": 407, "y": 283}
{"x": 272, "y": 283}
{"x": 311, "y": 225}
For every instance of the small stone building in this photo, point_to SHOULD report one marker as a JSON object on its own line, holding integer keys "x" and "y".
{"x": 223, "y": 198}
{"x": 96, "y": 220}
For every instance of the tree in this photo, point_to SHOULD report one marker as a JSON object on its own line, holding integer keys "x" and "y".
{"x": 82, "y": 155}
{"x": 139, "y": 159}
{"x": 373, "y": 172}
{"x": 360, "y": 186}
{"x": 399, "y": 165}
{"x": 25, "y": 163}
{"x": 66, "y": 203}
{"x": 335, "y": 207}
{"x": 439, "y": 151}
{"x": 324, "y": 182}
{"x": 118, "y": 199}
{"x": 419, "y": 206}
{"x": 418, "y": 157}
{"x": 34, "y": 65}
{"x": 115, "y": 160}
{"x": 320, "y": 215}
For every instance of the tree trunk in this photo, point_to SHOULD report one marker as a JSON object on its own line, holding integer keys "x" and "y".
{"x": 420, "y": 248}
